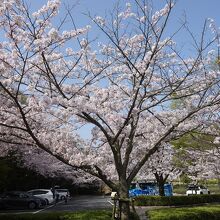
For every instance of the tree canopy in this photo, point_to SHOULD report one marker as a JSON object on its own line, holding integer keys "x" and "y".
{"x": 123, "y": 88}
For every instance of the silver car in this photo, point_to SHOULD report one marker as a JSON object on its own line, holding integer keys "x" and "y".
{"x": 19, "y": 199}
{"x": 43, "y": 194}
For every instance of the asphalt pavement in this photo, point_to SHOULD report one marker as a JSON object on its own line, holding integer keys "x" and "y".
{"x": 76, "y": 203}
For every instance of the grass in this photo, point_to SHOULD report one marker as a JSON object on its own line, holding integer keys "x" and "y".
{"x": 82, "y": 215}
{"x": 195, "y": 213}
{"x": 179, "y": 189}
{"x": 214, "y": 188}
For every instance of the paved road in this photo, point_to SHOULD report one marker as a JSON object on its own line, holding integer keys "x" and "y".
{"x": 76, "y": 203}
{"x": 82, "y": 203}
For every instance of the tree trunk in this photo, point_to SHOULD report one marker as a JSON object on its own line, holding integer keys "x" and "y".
{"x": 161, "y": 188}
{"x": 161, "y": 181}
{"x": 124, "y": 203}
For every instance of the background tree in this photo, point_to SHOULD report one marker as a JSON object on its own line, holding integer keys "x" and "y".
{"x": 161, "y": 166}
{"x": 15, "y": 176}
{"x": 199, "y": 152}
{"x": 122, "y": 89}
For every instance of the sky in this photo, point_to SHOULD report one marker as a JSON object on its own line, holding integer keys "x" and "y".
{"x": 196, "y": 11}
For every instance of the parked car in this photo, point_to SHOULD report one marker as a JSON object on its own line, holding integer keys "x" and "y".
{"x": 45, "y": 194}
{"x": 19, "y": 199}
{"x": 197, "y": 189}
{"x": 63, "y": 194}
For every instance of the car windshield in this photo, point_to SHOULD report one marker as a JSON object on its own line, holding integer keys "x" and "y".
{"x": 143, "y": 185}
{"x": 62, "y": 190}
{"x": 133, "y": 186}
{"x": 193, "y": 187}
{"x": 38, "y": 192}
{"x": 146, "y": 185}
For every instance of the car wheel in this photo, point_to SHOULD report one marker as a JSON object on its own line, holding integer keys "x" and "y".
{"x": 32, "y": 205}
{"x": 47, "y": 202}
{"x": 209, "y": 192}
{"x": 62, "y": 198}
{"x": 1, "y": 206}
{"x": 201, "y": 193}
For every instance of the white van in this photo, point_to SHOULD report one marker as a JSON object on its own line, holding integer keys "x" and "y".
{"x": 63, "y": 194}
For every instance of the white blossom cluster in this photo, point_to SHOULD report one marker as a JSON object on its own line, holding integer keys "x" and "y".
{"x": 123, "y": 89}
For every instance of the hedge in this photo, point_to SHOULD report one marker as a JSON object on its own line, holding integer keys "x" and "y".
{"x": 195, "y": 213}
{"x": 175, "y": 200}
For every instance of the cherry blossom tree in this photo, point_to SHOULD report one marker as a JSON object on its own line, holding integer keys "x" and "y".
{"x": 122, "y": 89}
{"x": 215, "y": 160}
{"x": 199, "y": 150}
{"x": 34, "y": 42}
{"x": 161, "y": 166}
{"x": 203, "y": 163}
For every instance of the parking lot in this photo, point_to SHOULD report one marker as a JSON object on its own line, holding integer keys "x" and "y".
{"x": 76, "y": 203}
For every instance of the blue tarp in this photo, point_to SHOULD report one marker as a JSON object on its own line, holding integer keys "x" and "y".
{"x": 149, "y": 189}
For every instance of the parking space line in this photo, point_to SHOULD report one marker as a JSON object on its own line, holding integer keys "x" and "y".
{"x": 47, "y": 207}
{"x": 110, "y": 202}
{"x": 14, "y": 213}
{"x": 30, "y": 212}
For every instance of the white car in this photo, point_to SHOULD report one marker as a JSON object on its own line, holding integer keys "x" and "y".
{"x": 63, "y": 194}
{"x": 195, "y": 190}
{"x": 44, "y": 194}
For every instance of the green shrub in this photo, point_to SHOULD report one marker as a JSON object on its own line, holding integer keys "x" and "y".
{"x": 195, "y": 213}
{"x": 175, "y": 200}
